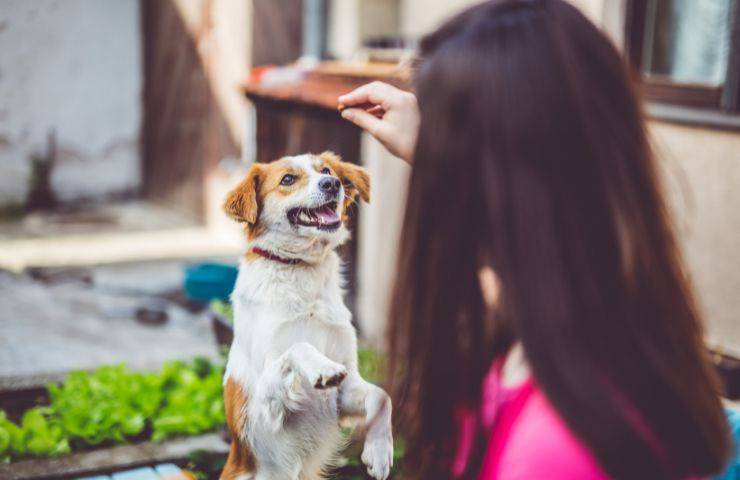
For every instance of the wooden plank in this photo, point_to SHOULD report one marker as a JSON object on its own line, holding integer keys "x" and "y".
{"x": 277, "y": 31}
{"x": 111, "y": 459}
{"x": 184, "y": 132}
{"x": 317, "y": 89}
{"x": 664, "y": 90}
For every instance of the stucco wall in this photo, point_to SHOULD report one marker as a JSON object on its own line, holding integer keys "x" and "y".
{"x": 73, "y": 66}
{"x": 379, "y": 231}
{"x": 702, "y": 181}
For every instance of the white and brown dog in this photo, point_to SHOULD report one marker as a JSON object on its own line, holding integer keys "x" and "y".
{"x": 292, "y": 371}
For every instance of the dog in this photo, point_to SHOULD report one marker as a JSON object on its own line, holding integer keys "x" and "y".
{"x": 291, "y": 375}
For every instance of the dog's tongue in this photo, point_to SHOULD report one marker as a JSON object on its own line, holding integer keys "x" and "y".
{"x": 326, "y": 215}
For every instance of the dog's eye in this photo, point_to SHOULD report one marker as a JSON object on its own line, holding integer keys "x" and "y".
{"x": 326, "y": 171}
{"x": 287, "y": 179}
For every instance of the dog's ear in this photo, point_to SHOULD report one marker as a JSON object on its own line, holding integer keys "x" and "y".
{"x": 242, "y": 203}
{"x": 355, "y": 179}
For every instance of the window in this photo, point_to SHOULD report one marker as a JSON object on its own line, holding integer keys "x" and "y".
{"x": 687, "y": 51}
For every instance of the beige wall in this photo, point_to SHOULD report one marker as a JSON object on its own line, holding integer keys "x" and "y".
{"x": 702, "y": 178}
{"x": 379, "y": 232}
{"x": 420, "y": 16}
{"x": 352, "y": 21}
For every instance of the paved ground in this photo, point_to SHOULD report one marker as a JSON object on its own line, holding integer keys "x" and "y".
{"x": 58, "y": 313}
{"x": 86, "y": 317}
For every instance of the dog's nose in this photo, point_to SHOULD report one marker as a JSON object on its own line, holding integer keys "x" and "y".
{"x": 330, "y": 185}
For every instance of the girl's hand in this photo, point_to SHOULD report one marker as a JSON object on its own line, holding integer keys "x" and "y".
{"x": 389, "y": 114}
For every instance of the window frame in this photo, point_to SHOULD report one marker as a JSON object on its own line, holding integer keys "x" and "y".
{"x": 665, "y": 93}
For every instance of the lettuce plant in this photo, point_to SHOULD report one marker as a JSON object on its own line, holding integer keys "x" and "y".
{"x": 114, "y": 405}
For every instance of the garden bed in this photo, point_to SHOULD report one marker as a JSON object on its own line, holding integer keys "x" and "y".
{"x": 111, "y": 459}
{"x": 109, "y": 419}
{"x": 102, "y": 421}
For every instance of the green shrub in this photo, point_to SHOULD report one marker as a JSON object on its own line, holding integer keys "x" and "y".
{"x": 114, "y": 405}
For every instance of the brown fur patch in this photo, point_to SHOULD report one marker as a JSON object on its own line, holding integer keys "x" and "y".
{"x": 251, "y": 256}
{"x": 242, "y": 203}
{"x": 241, "y": 460}
{"x": 254, "y": 231}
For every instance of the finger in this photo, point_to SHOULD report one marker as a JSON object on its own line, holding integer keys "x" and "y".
{"x": 377, "y": 110}
{"x": 378, "y": 93}
{"x": 364, "y": 106}
{"x": 367, "y": 121}
{"x": 357, "y": 96}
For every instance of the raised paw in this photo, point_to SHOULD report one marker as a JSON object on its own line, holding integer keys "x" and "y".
{"x": 378, "y": 457}
{"x": 325, "y": 374}
{"x": 331, "y": 376}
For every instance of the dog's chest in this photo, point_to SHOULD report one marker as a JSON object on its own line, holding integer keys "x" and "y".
{"x": 277, "y": 307}
{"x": 327, "y": 338}
{"x": 323, "y": 323}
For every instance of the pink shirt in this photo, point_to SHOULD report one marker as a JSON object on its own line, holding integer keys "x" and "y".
{"x": 528, "y": 440}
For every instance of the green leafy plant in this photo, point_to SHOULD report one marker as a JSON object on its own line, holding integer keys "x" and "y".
{"x": 370, "y": 364}
{"x": 114, "y": 405}
{"x": 223, "y": 308}
{"x": 193, "y": 400}
{"x": 38, "y": 434}
{"x": 110, "y": 404}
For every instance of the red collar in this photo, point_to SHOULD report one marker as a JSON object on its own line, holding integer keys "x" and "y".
{"x": 272, "y": 256}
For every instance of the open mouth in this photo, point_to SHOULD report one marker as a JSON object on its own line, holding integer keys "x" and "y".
{"x": 324, "y": 217}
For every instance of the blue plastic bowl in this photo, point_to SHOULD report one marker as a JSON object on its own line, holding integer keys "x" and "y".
{"x": 209, "y": 281}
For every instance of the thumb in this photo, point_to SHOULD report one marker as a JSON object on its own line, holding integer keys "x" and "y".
{"x": 367, "y": 121}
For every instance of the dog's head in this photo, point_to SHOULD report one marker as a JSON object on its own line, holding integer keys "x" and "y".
{"x": 299, "y": 199}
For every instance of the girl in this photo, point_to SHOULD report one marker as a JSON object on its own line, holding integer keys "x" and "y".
{"x": 543, "y": 326}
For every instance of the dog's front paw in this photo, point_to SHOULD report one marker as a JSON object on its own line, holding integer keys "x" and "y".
{"x": 326, "y": 375}
{"x": 378, "y": 456}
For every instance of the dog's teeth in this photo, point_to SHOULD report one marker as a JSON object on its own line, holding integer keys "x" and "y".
{"x": 304, "y": 217}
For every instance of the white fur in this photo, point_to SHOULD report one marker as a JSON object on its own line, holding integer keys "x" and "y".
{"x": 292, "y": 332}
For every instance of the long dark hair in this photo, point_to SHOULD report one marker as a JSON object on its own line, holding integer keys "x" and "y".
{"x": 532, "y": 158}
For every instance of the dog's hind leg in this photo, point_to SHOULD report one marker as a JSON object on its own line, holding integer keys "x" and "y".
{"x": 240, "y": 464}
